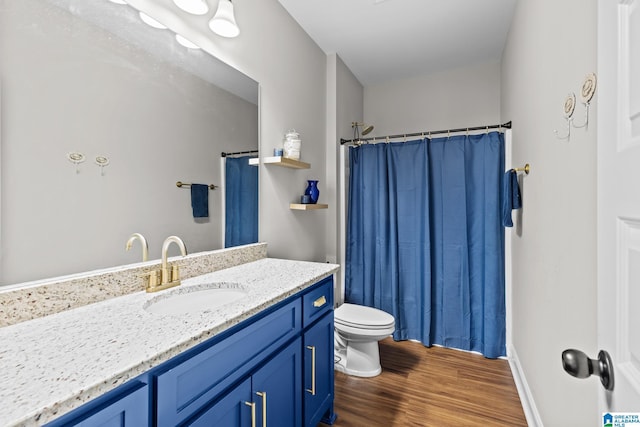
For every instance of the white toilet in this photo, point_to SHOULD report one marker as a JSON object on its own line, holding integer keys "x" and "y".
{"x": 357, "y": 332}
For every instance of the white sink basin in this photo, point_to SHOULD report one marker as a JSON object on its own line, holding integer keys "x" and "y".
{"x": 195, "y": 298}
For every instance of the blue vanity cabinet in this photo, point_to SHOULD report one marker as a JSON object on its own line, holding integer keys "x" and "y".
{"x": 270, "y": 397}
{"x": 317, "y": 308}
{"x": 233, "y": 410}
{"x": 202, "y": 375}
{"x": 277, "y": 364}
{"x": 318, "y": 373}
{"x": 277, "y": 388}
{"x": 125, "y": 406}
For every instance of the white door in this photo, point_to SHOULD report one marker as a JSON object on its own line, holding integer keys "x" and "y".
{"x": 619, "y": 199}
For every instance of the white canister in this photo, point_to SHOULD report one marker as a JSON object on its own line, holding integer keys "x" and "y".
{"x": 291, "y": 145}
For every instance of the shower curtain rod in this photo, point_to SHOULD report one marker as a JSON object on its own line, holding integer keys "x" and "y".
{"x": 429, "y": 133}
{"x": 223, "y": 154}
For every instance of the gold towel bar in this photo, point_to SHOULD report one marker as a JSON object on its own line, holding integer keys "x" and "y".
{"x": 526, "y": 169}
{"x": 185, "y": 184}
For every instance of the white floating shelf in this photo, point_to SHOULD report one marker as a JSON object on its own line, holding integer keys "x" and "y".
{"x": 307, "y": 206}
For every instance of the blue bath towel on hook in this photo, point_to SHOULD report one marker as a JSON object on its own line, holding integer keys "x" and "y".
{"x": 200, "y": 200}
{"x": 510, "y": 196}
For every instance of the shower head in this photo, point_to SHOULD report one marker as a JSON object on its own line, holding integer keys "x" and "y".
{"x": 366, "y": 129}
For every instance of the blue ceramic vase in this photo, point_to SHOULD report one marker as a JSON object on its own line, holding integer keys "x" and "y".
{"x": 312, "y": 191}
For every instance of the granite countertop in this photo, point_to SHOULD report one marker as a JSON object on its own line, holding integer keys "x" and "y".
{"x": 53, "y": 364}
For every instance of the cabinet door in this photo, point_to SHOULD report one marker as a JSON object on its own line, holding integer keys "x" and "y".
{"x": 187, "y": 388}
{"x": 318, "y": 372}
{"x": 277, "y": 389}
{"x": 130, "y": 411}
{"x": 233, "y": 410}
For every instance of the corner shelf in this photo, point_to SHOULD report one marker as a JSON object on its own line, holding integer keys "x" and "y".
{"x": 307, "y": 207}
{"x": 281, "y": 161}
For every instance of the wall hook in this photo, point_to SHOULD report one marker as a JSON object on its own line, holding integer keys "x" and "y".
{"x": 102, "y": 162}
{"x": 586, "y": 94}
{"x": 76, "y": 158}
{"x": 569, "y": 108}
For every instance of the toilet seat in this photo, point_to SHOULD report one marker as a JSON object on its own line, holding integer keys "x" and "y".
{"x": 362, "y": 317}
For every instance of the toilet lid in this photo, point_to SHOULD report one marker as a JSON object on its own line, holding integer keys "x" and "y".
{"x": 362, "y": 316}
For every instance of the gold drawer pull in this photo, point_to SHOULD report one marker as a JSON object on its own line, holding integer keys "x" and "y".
{"x": 253, "y": 412}
{"x": 320, "y": 302}
{"x": 263, "y": 395}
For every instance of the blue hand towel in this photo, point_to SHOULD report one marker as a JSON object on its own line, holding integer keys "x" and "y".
{"x": 510, "y": 196}
{"x": 200, "y": 200}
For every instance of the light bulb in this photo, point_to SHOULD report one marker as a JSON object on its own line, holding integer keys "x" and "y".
{"x": 195, "y": 7}
{"x": 151, "y": 22}
{"x": 186, "y": 43}
{"x": 224, "y": 23}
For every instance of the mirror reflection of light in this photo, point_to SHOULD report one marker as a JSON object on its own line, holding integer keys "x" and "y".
{"x": 118, "y": 1}
{"x": 195, "y": 7}
{"x": 186, "y": 43}
{"x": 151, "y": 22}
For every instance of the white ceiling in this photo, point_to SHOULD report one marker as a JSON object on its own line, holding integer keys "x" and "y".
{"x": 383, "y": 40}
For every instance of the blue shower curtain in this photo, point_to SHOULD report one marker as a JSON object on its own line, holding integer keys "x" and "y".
{"x": 425, "y": 241}
{"x": 241, "y": 202}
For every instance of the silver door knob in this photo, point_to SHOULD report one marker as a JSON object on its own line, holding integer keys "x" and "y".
{"x": 578, "y": 364}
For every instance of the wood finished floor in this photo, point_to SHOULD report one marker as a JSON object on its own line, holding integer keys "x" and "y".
{"x": 422, "y": 386}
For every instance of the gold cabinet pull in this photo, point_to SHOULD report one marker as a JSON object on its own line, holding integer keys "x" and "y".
{"x": 313, "y": 369}
{"x": 263, "y": 395}
{"x": 320, "y": 302}
{"x": 253, "y": 412}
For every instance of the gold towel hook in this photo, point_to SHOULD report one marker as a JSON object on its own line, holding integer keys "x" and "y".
{"x": 526, "y": 169}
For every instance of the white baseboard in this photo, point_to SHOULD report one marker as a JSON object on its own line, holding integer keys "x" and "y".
{"x": 526, "y": 398}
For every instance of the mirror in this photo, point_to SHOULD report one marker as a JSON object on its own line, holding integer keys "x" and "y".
{"x": 90, "y": 81}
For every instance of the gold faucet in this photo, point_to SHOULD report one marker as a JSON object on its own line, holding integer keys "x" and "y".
{"x": 167, "y": 278}
{"x": 143, "y": 242}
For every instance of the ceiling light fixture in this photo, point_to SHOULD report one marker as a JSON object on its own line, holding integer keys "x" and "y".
{"x": 186, "y": 43}
{"x": 151, "y": 22}
{"x": 118, "y": 1}
{"x": 223, "y": 22}
{"x": 195, "y": 7}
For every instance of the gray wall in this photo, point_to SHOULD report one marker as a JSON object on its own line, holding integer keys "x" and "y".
{"x": 461, "y": 97}
{"x": 155, "y": 122}
{"x": 345, "y": 105}
{"x": 550, "y": 48}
